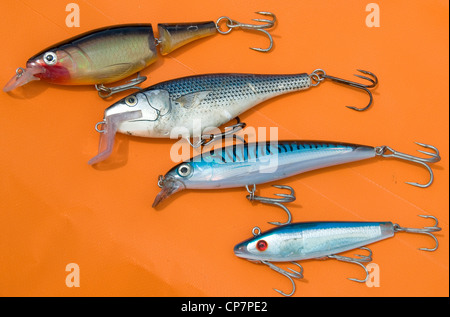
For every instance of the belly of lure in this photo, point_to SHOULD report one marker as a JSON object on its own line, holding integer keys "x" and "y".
{"x": 107, "y": 54}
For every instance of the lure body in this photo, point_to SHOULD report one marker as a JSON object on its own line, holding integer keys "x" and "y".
{"x": 203, "y": 101}
{"x": 311, "y": 240}
{"x": 100, "y": 56}
{"x": 175, "y": 35}
{"x": 112, "y": 53}
{"x": 255, "y": 163}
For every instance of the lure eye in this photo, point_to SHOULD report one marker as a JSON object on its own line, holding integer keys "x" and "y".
{"x": 50, "y": 58}
{"x": 184, "y": 170}
{"x": 261, "y": 245}
{"x": 131, "y": 101}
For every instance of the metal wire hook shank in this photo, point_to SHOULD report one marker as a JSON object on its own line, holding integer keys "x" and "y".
{"x": 207, "y": 139}
{"x": 384, "y": 152}
{"x": 358, "y": 259}
{"x": 292, "y": 274}
{"x": 274, "y": 201}
{"x": 105, "y": 92}
{"x": 319, "y": 75}
{"x": 267, "y": 24}
{"x": 424, "y": 230}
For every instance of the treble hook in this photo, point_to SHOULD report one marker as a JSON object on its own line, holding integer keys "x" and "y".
{"x": 292, "y": 274}
{"x": 232, "y": 24}
{"x": 105, "y": 92}
{"x": 424, "y": 230}
{"x": 381, "y": 151}
{"x": 358, "y": 259}
{"x": 287, "y": 198}
{"x": 319, "y": 75}
{"x": 207, "y": 139}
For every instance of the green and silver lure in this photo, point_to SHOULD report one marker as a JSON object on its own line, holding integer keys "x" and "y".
{"x": 109, "y": 54}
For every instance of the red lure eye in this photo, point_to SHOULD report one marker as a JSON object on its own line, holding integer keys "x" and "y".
{"x": 261, "y": 245}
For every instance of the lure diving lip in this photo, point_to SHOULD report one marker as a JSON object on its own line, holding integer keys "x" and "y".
{"x": 109, "y": 131}
{"x": 112, "y": 53}
{"x": 171, "y": 186}
{"x": 24, "y": 76}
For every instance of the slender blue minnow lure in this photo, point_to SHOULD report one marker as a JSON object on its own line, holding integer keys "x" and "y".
{"x": 318, "y": 240}
{"x": 245, "y": 164}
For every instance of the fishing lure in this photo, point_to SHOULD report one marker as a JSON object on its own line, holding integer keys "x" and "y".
{"x": 246, "y": 164}
{"x": 201, "y": 103}
{"x": 109, "y": 54}
{"x": 318, "y": 240}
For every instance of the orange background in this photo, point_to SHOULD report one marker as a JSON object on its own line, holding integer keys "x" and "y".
{"x": 55, "y": 209}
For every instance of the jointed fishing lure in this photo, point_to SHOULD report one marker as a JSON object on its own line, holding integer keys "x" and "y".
{"x": 247, "y": 164}
{"x": 109, "y": 54}
{"x": 318, "y": 240}
{"x": 201, "y": 103}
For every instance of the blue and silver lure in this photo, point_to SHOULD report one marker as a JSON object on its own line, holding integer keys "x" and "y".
{"x": 318, "y": 240}
{"x": 246, "y": 164}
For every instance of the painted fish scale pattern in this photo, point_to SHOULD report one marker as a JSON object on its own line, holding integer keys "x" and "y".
{"x": 224, "y": 88}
